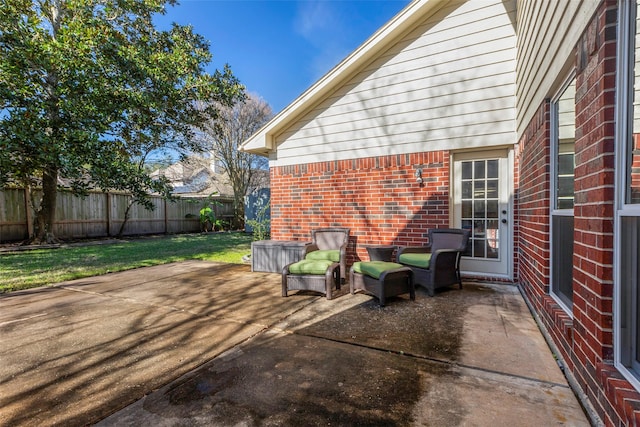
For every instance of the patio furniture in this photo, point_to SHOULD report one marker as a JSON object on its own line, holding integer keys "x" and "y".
{"x": 437, "y": 264}
{"x": 381, "y": 252}
{"x": 272, "y": 255}
{"x": 329, "y": 244}
{"x": 383, "y": 279}
{"x": 311, "y": 275}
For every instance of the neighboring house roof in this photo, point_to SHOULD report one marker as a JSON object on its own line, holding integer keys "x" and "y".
{"x": 263, "y": 141}
{"x": 195, "y": 177}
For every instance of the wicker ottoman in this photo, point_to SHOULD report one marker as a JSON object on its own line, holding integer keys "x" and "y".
{"x": 382, "y": 279}
{"x": 311, "y": 275}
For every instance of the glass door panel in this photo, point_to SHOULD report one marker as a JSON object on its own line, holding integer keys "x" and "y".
{"x": 481, "y": 205}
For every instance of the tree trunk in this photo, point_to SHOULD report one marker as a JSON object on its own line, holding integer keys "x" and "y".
{"x": 127, "y": 212}
{"x": 238, "y": 211}
{"x": 46, "y": 214}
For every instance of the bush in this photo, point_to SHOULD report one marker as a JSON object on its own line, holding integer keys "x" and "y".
{"x": 261, "y": 225}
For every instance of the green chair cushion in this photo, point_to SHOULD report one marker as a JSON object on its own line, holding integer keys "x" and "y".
{"x": 331, "y": 255}
{"x": 357, "y": 267}
{"x": 421, "y": 260}
{"x": 310, "y": 266}
{"x": 376, "y": 268}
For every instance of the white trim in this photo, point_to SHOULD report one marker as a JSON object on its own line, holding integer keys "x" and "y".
{"x": 263, "y": 139}
{"x": 507, "y": 154}
{"x": 565, "y": 307}
{"x": 555, "y": 126}
{"x": 622, "y": 115}
{"x": 553, "y": 212}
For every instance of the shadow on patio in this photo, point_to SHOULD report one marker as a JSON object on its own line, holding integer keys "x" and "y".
{"x": 214, "y": 344}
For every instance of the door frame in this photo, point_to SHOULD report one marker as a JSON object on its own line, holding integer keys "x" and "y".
{"x": 506, "y": 152}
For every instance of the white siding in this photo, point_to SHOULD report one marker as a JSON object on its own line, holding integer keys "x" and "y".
{"x": 449, "y": 83}
{"x": 636, "y": 74}
{"x": 547, "y": 34}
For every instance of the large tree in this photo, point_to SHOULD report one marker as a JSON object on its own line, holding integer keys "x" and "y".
{"x": 225, "y": 133}
{"x": 89, "y": 88}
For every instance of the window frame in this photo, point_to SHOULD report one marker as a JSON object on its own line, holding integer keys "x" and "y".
{"x": 623, "y": 129}
{"x": 560, "y": 298}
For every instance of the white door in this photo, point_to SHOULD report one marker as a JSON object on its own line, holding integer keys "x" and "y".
{"x": 481, "y": 195}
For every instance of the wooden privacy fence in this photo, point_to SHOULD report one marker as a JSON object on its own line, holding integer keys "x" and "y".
{"x": 102, "y": 214}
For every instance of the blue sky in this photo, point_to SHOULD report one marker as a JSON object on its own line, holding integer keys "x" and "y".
{"x": 279, "y": 48}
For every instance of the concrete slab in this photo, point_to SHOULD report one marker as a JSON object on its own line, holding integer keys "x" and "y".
{"x": 488, "y": 327}
{"x": 500, "y": 335}
{"x": 206, "y": 289}
{"x": 201, "y": 343}
{"x": 75, "y": 353}
{"x": 291, "y": 379}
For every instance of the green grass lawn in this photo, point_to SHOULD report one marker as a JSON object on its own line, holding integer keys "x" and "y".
{"x": 41, "y": 267}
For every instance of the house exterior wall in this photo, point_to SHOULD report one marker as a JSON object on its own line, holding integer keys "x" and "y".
{"x": 583, "y": 336}
{"x": 533, "y": 200}
{"x": 351, "y": 160}
{"x": 547, "y": 33}
{"x": 448, "y": 83}
{"x": 378, "y": 198}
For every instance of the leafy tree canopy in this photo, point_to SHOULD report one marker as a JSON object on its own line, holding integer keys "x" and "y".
{"x": 89, "y": 88}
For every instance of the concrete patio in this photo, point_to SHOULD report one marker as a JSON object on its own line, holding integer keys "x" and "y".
{"x": 200, "y": 343}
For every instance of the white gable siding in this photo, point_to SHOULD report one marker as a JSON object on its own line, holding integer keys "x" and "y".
{"x": 547, "y": 34}
{"x": 447, "y": 84}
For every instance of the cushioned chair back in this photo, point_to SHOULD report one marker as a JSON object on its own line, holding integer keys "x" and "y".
{"x": 330, "y": 238}
{"x": 448, "y": 238}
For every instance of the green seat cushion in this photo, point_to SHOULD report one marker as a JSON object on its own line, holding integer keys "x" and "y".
{"x": 416, "y": 260}
{"x": 357, "y": 267}
{"x": 310, "y": 266}
{"x": 376, "y": 268}
{"x": 331, "y": 255}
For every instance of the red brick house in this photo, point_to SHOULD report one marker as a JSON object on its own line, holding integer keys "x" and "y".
{"x": 520, "y": 119}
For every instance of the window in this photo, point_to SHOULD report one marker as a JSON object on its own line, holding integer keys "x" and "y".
{"x": 627, "y": 232}
{"x": 563, "y": 116}
{"x": 479, "y": 201}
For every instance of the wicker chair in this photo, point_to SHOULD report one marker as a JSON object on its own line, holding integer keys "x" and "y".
{"x": 324, "y": 241}
{"x": 436, "y": 265}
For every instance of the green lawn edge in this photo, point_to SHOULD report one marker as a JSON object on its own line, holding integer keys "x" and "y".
{"x": 26, "y": 269}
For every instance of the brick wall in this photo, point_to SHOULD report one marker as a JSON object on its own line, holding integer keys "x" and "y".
{"x": 532, "y": 195}
{"x": 533, "y": 207}
{"x": 594, "y": 208}
{"x": 586, "y": 340}
{"x": 378, "y": 198}
{"x": 517, "y": 168}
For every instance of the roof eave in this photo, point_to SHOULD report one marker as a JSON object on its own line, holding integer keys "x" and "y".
{"x": 262, "y": 142}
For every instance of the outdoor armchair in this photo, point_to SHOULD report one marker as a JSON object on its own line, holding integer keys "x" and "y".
{"x": 329, "y": 244}
{"x": 437, "y": 264}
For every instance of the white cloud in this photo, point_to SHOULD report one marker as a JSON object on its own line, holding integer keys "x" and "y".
{"x": 323, "y": 25}
{"x": 314, "y": 18}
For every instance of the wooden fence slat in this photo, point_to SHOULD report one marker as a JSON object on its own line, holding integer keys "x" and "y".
{"x": 101, "y": 215}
